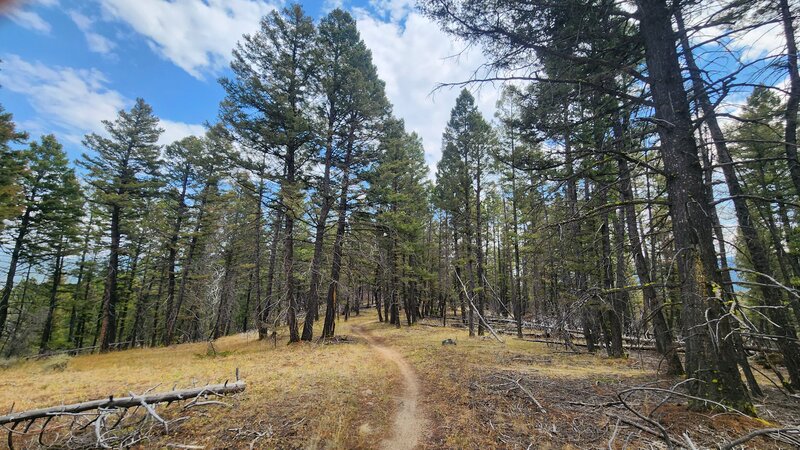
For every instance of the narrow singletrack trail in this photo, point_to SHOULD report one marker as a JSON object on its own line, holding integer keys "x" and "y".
{"x": 409, "y": 422}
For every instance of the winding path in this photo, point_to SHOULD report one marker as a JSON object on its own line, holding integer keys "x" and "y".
{"x": 409, "y": 422}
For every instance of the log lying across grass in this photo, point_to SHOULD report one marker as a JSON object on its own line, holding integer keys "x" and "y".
{"x": 124, "y": 402}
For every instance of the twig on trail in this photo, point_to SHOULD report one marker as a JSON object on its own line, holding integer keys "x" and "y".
{"x": 596, "y": 405}
{"x": 630, "y": 422}
{"x": 613, "y": 435}
{"x": 662, "y": 431}
{"x": 689, "y": 442}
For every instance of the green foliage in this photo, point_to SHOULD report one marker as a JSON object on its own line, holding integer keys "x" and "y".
{"x": 11, "y": 165}
{"x": 123, "y": 166}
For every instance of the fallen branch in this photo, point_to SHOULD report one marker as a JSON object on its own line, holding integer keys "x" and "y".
{"x": 526, "y": 391}
{"x": 757, "y": 433}
{"x": 123, "y": 402}
{"x": 486, "y": 324}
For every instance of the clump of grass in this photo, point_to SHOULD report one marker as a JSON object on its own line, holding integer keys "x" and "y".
{"x": 7, "y": 363}
{"x": 212, "y": 352}
{"x": 57, "y": 363}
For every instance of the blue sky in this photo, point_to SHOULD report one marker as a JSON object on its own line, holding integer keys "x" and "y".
{"x": 69, "y": 64}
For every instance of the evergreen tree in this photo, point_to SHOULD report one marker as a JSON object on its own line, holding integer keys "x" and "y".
{"x": 363, "y": 105}
{"x": 182, "y": 158}
{"x": 399, "y": 195}
{"x": 267, "y": 107}
{"x": 60, "y": 234}
{"x": 122, "y": 170}
{"x": 466, "y": 143}
{"x": 10, "y": 169}
{"x": 50, "y": 196}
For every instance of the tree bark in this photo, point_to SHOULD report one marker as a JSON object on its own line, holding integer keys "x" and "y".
{"x": 793, "y": 99}
{"x": 336, "y": 265}
{"x": 172, "y": 257}
{"x": 711, "y": 361}
{"x": 47, "y": 331}
{"x": 313, "y": 299}
{"x": 265, "y": 308}
{"x": 109, "y": 305}
{"x": 771, "y": 294}
{"x": 665, "y": 342}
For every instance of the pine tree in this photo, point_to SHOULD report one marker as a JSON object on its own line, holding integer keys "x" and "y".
{"x": 182, "y": 157}
{"x": 467, "y": 141}
{"x": 50, "y": 194}
{"x": 337, "y": 41}
{"x": 363, "y": 107}
{"x": 59, "y": 231}
{"x": 122, "y": 170}
{"x": 10, "y": 170}
{"x": 399, "y": 194}
{"x": 267, "y": 107}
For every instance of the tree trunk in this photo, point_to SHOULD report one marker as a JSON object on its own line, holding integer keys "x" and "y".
{"x": 265, "y": 308}
{"x": 109, "y": 306}
{"x": 172, "y": 257}
{"x": 47, "y": 331}
{"x": 479, "y": 247}
{"x": 290, "y": 195}
{"x": 123, "y": 316}
{"x": 793, "y": 99}
{"x": 709, "y": 360}
{"x": 257, "y": 244}
{"x": 141, "y": 306}
{"x": 12, "y": 265}
{"x": 665, "y": 342}
{"x": 224, "y": 306}
{"x": 759, "y": 257}
{"x": 173, "y": 314}
{"x": 313, "y": 300}
{"x": 336, "y": 265}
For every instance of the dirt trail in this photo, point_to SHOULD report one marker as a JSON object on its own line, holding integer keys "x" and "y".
{"x": 409, "y": 422}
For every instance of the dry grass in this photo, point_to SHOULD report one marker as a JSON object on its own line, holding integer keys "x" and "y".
{"x": 302, "y": 396}
{"x": 472, "y": 402}
{"x": 341, "y": 395}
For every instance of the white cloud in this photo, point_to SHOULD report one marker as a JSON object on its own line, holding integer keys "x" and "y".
{"x": 413, "y": 56}
{"x": 73, "y": 101}
{"x": 70, "y": 98}
{"x": 174, "y": 131}
{"x": 30, "y": 20}
{"x": 763, "y": 41}
{"x": 96, "y": 42}
{"x": 197, "y": 36}
{"x": 26, "y": 18}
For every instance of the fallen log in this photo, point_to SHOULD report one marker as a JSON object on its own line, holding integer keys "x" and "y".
{"x": 124, "y": 402}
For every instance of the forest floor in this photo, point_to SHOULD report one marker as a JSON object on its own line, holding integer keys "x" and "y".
{"x": 377, "y": 386}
